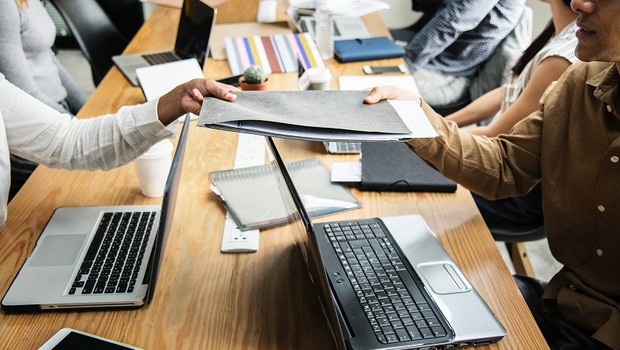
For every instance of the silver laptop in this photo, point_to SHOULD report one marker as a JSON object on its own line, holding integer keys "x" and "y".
{"x": 342, "y": 147}
{"x": 98, "y": 257}
{"x": 344, "y": 27}
{"x": 387, "y": 283}
{"x": 193, "y": 36}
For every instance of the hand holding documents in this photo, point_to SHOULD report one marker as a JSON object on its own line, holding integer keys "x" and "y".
{"x": 317, "y": 115}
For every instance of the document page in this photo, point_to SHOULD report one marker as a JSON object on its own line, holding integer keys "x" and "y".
{"x": 367, "y": 82}
{"x": 317, "y": 115}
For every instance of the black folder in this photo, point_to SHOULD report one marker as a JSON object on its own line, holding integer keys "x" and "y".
{"x": 392, "y": 166}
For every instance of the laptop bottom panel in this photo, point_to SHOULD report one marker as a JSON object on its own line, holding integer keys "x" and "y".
{"x": 128, "y": 64}
{"x": 467, "y": 313}
{"x": 393, "y": 291}
{"x": 48, "y": 277}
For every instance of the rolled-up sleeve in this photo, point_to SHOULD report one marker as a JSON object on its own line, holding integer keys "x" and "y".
{"x": 492, "y": 167}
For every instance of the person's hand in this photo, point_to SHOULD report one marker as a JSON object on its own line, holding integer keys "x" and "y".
{"x": 188, "y": 97}
{"x": 390, "y": 93}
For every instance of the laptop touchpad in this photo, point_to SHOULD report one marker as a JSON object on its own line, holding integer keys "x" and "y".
{"x": 443, "y": 278}
{"x": 57, "y": 250}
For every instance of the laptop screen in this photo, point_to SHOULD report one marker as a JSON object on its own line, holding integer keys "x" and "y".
{"x": 306, "y": 240}
{"x": 168, "y": 205}
{"x": 194, "y": 33}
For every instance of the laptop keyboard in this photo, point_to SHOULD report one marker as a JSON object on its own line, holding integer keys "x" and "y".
{"x": 348, "y": 147}
{"x": 395, "y": 312}
{"x": 161, "y": 57}
{"x": 115, "y": 254}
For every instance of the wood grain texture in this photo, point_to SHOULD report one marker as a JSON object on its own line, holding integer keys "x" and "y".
{"x": 209, "y": 300}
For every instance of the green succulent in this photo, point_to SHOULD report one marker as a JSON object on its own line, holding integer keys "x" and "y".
{"x": 254, "y": 75}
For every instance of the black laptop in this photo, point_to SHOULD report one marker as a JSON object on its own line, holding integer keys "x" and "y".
{"x": 387, "y": 282}
{"x": 193, "y": 36}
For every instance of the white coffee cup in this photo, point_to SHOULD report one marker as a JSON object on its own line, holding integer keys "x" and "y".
{"x": 153, "y": 167}
{"x": 320, "y": 78}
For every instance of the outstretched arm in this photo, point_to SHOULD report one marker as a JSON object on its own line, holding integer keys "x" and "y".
{"x": 478, "y": 163}
{"x": 36, "y": 132}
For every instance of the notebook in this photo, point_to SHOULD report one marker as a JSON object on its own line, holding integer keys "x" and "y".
{"x": 392, "y": 166}
{"x": 251, "y": 194}
{"x": 387, "y": 282}
{"x": 66, "y": 271}
{"x": 192, "y": 41}
{"x": 374, "y": 48}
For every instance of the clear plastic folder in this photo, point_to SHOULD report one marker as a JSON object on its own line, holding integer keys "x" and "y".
{"x": 253, "y": 200}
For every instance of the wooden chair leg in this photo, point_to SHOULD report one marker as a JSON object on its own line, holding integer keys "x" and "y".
{"x": 520, "y": 259}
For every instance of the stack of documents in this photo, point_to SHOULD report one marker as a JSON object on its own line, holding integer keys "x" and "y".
{"x": 317, "y": 115}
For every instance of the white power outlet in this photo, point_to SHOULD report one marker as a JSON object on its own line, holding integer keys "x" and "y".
{"x": 250, "y": 152}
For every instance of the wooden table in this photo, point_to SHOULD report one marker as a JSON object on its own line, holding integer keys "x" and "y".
{"x": 209, "y": 300}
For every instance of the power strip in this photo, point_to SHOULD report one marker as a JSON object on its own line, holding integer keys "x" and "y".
{"x": 250, "y": 152}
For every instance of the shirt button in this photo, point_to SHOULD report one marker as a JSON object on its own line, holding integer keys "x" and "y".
{"x": 614, "y": 159}
{"x": 601, "y": 208}
{"x": 572, "y": 287}
{"x": 609, "y": 109}
{"x": 599, "y": 252}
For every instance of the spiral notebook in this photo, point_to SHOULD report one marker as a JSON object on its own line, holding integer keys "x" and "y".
{"x": 252, "y": 198}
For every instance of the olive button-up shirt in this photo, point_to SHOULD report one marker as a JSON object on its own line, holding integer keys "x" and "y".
{"x": 572, "y": 146}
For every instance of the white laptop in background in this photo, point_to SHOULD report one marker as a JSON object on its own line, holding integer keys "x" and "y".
{"x": 161, "y": 78}
{"x": 98, "y": 257}
{"x": 192, "y": 41}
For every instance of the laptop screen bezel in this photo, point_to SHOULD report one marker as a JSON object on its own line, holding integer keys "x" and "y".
{"x": 195, "y": 30}
{"x": 314, "y": 263}
{"x": 168, "y": 205}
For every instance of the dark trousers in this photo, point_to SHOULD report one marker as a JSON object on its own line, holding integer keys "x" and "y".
{"x": 20, "y": 172}
{"x": 521, "y": 213}
{"x": 559, "y": 334}
{"x": 22, "y": 168}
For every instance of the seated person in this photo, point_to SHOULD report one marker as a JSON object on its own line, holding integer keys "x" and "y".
{"x": 427, "y": 8}
{"x": 127, "y": 15}
{"x": 26, "y": 59}
{"x": 571, "y": 146}
{"x": 542, "y": 63}
{"x": 30, "y": 129}
{"x": 448, "y": 51}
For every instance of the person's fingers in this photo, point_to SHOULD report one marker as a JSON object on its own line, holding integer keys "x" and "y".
{"x": 382, "y": 93}
{"x": 219, "y": 90}
{"x": 197, "y": 95}
{"x": 389, "y": 93}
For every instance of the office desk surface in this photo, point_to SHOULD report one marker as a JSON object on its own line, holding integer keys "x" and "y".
{"x": 209, "y": 300}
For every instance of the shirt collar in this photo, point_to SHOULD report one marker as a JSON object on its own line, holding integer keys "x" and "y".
{"x": 605, "y": 86}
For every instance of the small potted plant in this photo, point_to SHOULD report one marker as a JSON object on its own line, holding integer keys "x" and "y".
{"x": 253, "y": 78}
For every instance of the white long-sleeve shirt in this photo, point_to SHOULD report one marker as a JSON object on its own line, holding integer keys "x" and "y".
{"x": 34, "y": 131}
